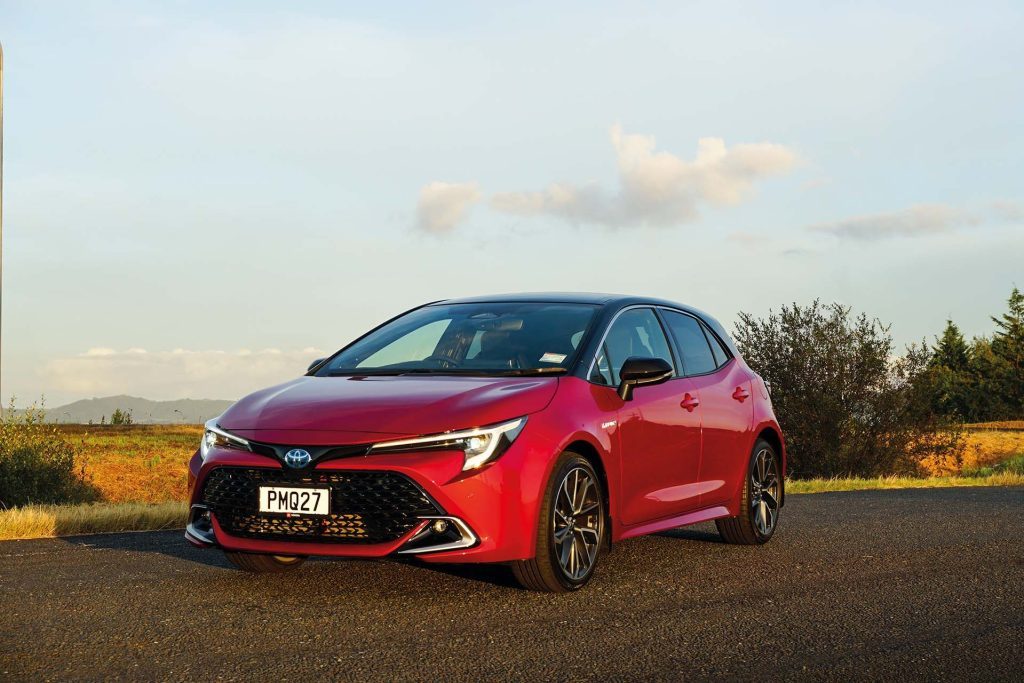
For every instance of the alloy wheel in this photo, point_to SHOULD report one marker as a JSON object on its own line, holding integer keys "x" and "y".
{"x": 578, "y": 523}
{"x": 764, "y": 492}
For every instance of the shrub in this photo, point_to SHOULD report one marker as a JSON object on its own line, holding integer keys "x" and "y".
{"x": 847, "y": 405}
{"x": 37, "y": 465}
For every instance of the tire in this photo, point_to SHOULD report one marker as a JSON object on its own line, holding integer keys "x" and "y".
{"x": 546, "y": 571}
{"x": 750, "y": 527}
{"x": 263, "y": 564}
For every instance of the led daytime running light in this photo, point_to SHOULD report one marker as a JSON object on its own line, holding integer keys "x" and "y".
{"x": 479, "y": 445}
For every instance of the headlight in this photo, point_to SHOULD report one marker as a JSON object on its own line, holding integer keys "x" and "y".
{"x": 215, "y": 436}
{"x": 479, "y": 446}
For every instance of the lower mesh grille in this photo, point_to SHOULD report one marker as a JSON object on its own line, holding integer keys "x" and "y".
{"x": 366, "y": 507}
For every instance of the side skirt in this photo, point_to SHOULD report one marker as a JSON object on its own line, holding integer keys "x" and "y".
{"x": 673, "y": 522}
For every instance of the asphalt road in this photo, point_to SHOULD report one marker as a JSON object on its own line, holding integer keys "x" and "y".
{"x": 917, "y": 585}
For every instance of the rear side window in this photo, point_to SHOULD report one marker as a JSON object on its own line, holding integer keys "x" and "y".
{"x": 693, "y": 345}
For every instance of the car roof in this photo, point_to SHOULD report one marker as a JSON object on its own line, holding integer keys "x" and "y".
{"x": 560, "y": 297}
{"x": 600, "y": 299}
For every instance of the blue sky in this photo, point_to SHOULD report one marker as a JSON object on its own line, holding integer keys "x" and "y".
{"x": 199, "y": 198}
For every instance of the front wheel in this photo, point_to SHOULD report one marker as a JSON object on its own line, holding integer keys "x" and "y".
{"x": 762, "y": 498}
{"x": 571, "y": 529}
{"x": 263, "y": 564}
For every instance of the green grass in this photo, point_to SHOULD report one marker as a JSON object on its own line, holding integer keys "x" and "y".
{"x": 857, "y": 484}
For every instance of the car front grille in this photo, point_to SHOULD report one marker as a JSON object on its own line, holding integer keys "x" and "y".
{"x": 366, "y": 507}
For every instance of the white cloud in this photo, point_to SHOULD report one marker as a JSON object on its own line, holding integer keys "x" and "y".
{"x": 1009, "y": 211}
{"x": 919, "y": 221}
{"x": 656, "y": 188}
{"x": 180, "y": 373}
{"x": 442, "y": 206}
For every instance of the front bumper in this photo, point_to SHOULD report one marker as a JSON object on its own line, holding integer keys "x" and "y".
{"x": 489, "y": 515}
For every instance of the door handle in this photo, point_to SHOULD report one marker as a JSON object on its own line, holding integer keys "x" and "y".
{"x": 741, "y": 394}
{"x": 689, "y": 402}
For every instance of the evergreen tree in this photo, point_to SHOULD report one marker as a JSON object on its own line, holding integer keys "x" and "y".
{"x": 948, "y": 378}
{"x": 987, "y": 368}
{"x": 951, "y": 350}
{"x": 1008, "y": 346}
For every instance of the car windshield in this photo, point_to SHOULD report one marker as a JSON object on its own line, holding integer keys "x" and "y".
{"x": 472, "y": 338}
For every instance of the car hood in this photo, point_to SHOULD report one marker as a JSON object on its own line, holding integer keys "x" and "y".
{"x": 362, "y": 409}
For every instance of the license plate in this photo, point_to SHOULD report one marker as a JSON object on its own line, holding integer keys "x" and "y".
{"x": 305, "y": 501}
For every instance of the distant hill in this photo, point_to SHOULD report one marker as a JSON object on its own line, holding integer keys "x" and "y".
{"x": 143, "y": 411}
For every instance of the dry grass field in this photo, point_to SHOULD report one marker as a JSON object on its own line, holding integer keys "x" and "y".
{"x": 989, "y": 447}
{"x": 986, "y": 447}
{"x": 136, "y": 464}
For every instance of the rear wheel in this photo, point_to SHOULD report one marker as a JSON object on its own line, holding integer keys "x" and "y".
{"x": 571, "y": 529}
{"x": 263, "y": 564}
{"x": 762, "y": 498}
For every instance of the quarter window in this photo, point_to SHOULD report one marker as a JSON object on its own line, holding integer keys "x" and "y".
{"x": 721, "y": 355}
{"x": 692, "y": 344}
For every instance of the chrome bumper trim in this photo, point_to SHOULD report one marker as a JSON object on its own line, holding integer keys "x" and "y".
{"x": 197, "y": 534}
{"x": 468, "y": 539}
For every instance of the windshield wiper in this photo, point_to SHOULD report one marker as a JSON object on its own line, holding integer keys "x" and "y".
{"x": 366, "y": 373}
{"x": 398, "y": 372}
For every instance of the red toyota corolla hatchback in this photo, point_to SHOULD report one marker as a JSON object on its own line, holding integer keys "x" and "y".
{"x": 534, "y": 430}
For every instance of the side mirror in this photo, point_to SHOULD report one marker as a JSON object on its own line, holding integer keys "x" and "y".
{"x": 315, "y": 363}
{"x": 638, "y": 372}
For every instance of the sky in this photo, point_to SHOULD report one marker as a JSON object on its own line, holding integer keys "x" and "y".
{"x": 201, "y": 198}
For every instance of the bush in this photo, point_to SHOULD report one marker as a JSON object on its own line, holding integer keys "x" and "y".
{"x": 847, "y": 405}
{"x": 37, "y": 465}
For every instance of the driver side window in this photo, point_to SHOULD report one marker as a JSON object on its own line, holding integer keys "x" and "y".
{"x": 636, "y": 332}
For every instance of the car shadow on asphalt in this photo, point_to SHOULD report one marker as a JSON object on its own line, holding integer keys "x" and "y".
{"x": 171, "y": 543}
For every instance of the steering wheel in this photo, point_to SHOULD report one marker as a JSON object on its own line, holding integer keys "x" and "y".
{"x": 444, "y": 360}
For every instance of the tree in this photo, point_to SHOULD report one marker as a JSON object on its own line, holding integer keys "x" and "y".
{"x": 949, "y": 380}
{"x": 951, "y": 350}
{"x": 1008, "y": 346}
{"x": 121, "y": 417}
{"x": 846, "y": 405}
{"x": 986, "y": 397}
